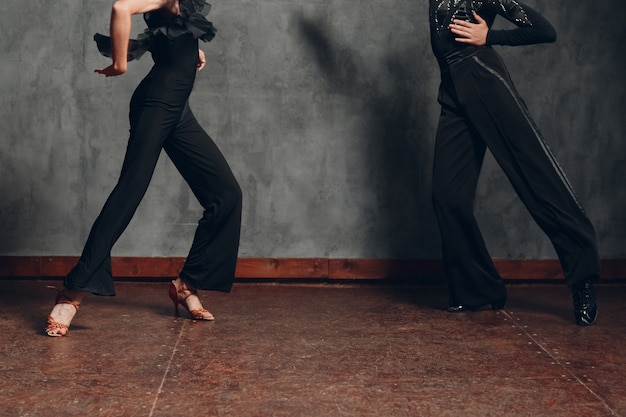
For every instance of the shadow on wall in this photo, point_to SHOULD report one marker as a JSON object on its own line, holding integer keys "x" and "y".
{"x": 10, "y": 222}
{"x": 397, "y": 142}
{"x": 26, "y": 204}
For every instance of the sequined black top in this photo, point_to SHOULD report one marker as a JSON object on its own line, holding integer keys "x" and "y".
{"x": 531, "y": 26}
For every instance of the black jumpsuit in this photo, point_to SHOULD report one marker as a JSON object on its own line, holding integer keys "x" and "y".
{"x": 160, "y": 117}
{"x": 480, "y": 108}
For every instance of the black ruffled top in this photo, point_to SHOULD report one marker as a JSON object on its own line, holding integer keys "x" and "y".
{"x": 190, "y": 20}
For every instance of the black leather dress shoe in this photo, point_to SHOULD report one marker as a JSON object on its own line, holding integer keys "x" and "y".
{"x": 585, "y": 304}
{"x": 461, "y": 308}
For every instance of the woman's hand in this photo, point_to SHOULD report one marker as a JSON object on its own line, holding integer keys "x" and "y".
{"x": 111, "y": 71}
{"x": 470, "y": 33}
{"x": 201, "y": 59}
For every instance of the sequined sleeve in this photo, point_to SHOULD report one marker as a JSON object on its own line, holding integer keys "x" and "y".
{"x": 532, "y": 27}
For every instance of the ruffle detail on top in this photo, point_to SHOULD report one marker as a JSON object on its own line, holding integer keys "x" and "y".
{"x": 191, "y": 20}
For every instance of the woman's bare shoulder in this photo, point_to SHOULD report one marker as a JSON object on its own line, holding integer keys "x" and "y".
{"x": 144, "y": 6}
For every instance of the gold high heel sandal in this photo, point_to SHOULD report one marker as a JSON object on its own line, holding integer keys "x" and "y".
{"x": 53, "y": 327}
{"x": 178, "y": 296}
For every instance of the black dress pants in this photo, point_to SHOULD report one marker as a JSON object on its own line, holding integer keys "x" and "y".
{"x": 480, "y": 109}
{"x": 157, "y": 125}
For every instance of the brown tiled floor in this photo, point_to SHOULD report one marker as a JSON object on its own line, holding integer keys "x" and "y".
{"x": 312, "y": 350}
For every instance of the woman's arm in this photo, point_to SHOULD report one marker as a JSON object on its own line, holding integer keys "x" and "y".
{"x": 121, "y": 14}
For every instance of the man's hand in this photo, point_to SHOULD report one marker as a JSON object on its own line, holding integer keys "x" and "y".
{"x": 470, "y": 33}
{"x": 201, "y": 59}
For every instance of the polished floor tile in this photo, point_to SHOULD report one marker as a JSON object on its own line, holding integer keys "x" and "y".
{"x": 312, "y": 350}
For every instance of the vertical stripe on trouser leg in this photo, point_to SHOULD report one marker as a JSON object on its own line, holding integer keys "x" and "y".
{"x": 537, "y": 134}
{"x": 496, "y": 109}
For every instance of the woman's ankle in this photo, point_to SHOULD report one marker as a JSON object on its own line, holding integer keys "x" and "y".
{"x": 76, "y": 296}
{"x": 182, "y": 285}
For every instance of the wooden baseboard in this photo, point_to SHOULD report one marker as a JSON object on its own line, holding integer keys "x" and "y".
{"x": 143, "y": 268}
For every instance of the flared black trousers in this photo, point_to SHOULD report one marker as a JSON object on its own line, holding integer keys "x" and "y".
{"x": 480, "y": 108}
{"x": 157, "y": 125}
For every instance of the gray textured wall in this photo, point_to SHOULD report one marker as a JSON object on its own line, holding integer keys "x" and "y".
{"x": 326, "y": 111}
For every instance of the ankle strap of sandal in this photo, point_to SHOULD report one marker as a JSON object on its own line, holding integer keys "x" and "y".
{"x": 63, "y": 298}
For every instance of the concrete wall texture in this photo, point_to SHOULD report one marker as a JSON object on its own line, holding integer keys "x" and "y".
{"x": 326, "y": 111}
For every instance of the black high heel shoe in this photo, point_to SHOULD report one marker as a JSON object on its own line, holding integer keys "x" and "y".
{"x": 461, "y": 308}
{"x": 585, "y": 303}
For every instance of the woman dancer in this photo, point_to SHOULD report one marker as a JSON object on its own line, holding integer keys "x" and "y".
{"x": 480, "y": 108}
{"x": 160, "y": 117}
